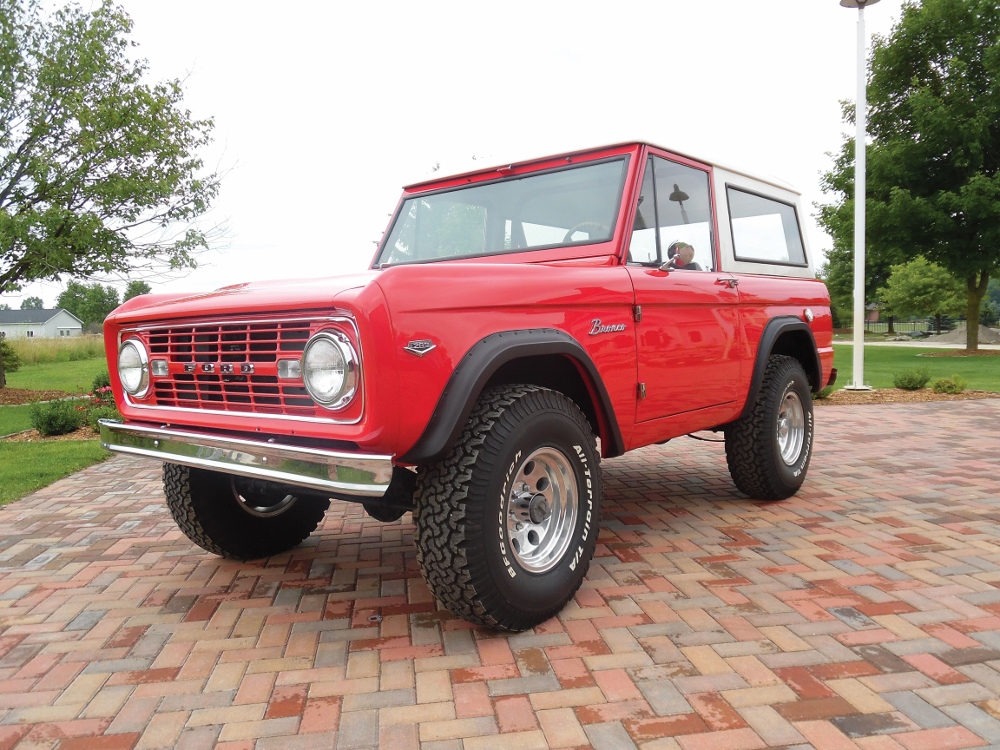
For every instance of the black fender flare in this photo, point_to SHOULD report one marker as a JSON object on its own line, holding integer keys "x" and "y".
{"x": 772, "y": 331}
{"x": 476, "y": 368}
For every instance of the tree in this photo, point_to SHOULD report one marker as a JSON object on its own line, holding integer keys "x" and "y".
{"x": 934, "y": 156}
{"x": 32, "y": 303}
{"x": 135, "y": 288}
{"x": 4, "y": 306}
{"x": 98, "y": 169}
{"x": 91, "y": 303}
{"x": 990, "y": 314}
{"x": 838, "y": 273}
{"x": 921, "y": 288}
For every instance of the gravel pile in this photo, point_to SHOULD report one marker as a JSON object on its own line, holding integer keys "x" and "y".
{"x": 986, "y": 336}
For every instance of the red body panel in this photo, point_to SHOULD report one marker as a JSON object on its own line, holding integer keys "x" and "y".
{"x": 693, "y": 350}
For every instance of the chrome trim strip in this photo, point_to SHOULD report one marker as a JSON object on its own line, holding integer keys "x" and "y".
{"x": 357, "y": 474}
{"x": 183, "y": 322}
{"x": 249, "y": 415}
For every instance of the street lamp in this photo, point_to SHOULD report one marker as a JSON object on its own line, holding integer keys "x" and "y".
{"x": 860, "y": 117}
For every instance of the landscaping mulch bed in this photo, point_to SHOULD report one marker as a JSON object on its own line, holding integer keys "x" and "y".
{"x": 33, "y": 436}
{"x": 16, "y": 396}
{"x": 897, "y": 395}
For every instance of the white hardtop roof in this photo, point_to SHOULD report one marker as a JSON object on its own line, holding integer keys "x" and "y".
{"x": 477, "y": 165}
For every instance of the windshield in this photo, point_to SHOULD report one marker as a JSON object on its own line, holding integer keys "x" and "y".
{"x": 572, "y": 206}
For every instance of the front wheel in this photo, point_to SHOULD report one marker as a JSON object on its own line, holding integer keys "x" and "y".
{"x": 769, "y": 448}
{"x": 507, "y": 522}
{"x": 238, "y": 517}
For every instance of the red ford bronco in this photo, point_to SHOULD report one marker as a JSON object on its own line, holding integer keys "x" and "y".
{"x": 517, "y": 325}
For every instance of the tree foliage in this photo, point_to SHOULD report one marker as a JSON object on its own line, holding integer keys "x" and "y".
{"x": 989, "y": 315}
{"x": 933, "y": 185}
{"x": 32, "y": 303}
{"x": 135, "y": 288}
{"x": 98, "y": 168}
{"x": 91, "y": 303}
{"x": 921, "y": 288}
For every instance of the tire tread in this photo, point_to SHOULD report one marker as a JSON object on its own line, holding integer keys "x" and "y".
{"x": 222, "y": 528}
{"x": 455, "y": 570}
{"x": 749, "y": 441}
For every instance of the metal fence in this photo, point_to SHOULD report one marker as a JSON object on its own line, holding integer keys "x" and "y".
{"x": 906, "y": 326}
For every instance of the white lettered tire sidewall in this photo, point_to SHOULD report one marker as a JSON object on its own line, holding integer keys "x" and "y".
{"x": 536, "y": 592}
{"x": 463, "y": 538}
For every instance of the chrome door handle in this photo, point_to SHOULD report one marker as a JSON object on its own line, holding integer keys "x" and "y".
{"x": 730, "y": 280}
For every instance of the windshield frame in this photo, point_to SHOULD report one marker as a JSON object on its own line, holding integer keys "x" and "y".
{"x": 507, "y": 175}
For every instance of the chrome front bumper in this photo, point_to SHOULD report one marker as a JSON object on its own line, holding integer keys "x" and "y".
{"x": 353, "y": 474}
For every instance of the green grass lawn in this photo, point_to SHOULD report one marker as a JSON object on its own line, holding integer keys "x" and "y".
{"x": 72, "y": 377}
{"x": 882, "y": 362}
{"x": 26, "y": 467}
{"x": 14, "y": 419}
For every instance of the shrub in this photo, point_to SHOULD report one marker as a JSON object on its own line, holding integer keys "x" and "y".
{"x": 101, "y": 380}
{"x": 825, "y": 393}
{"x": 11, "y": 360}
{"x": 954, "y": 384}
{"x": 912, "y": 380}
{"x": 57, "y": 417}
{"x": 104, "y": 411}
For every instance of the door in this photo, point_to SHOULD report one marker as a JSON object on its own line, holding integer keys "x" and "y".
{"x": 688, "y": 341}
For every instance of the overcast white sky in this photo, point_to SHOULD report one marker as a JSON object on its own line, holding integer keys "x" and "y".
{"x": 323, "y": 110}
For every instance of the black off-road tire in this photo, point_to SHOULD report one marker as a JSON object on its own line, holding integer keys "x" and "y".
{"x": 206, "y": 508}
{"x": 462, "y": 509}
{"x": 753, "y": 448}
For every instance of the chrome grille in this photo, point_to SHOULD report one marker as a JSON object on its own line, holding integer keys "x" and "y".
{"x": 196, "y": 354}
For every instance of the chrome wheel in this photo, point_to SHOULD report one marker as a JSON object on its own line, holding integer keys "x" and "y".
{"x": 791, "y": 427}
{"x": 542, "y": 510}
{"x": 254, "y": 498}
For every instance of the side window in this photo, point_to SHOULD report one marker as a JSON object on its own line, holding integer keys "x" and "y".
{"x": 764, "y": 230}
{"x": 675, "y": 199}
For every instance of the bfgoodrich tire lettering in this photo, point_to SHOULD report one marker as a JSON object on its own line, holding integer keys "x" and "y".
{"x": 768, "y": 450}
{"x": 470, "y": 504}
{"x": 213, "y": 514}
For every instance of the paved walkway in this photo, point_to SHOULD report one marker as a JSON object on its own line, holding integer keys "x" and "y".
{"x": 863, "y": 613}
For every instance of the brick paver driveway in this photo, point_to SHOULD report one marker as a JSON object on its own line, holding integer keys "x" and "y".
{"x": 862, "y": 613}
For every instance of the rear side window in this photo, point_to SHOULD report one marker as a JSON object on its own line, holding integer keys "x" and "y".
{"x": 764, "y": 230}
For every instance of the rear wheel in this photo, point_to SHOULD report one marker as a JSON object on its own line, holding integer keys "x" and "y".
{"x": 508, "y": 521}
{"x": 768, "y": 449}
{"x": 239, "y": 517}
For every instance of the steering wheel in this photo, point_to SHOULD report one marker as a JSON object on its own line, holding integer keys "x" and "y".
{"x": 582, "y": 225}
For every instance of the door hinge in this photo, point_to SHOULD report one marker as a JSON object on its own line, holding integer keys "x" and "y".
{"x": 640, "y": 390}
{"x": 637, "y": 313}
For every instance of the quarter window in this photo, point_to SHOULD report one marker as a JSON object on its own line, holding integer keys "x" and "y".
{"x": 764, "y": 230}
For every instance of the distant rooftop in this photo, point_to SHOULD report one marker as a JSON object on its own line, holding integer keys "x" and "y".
{"x": 31, "y": 317}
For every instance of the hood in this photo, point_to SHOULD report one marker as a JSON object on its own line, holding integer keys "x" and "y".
{"x": 249, "y": 298}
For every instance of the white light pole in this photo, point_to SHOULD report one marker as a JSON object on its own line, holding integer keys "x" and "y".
{"x": 860, "y": 117}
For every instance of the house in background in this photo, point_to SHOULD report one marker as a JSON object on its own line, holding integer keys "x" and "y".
{"x": 39, "y": 324}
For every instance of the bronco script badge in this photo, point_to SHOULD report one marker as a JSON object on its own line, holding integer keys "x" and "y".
{"x": 596, "y": 327}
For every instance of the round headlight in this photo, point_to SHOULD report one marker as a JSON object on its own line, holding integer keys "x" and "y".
{"x": 133, "y": 367}
{"x": 330, "y": 369}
